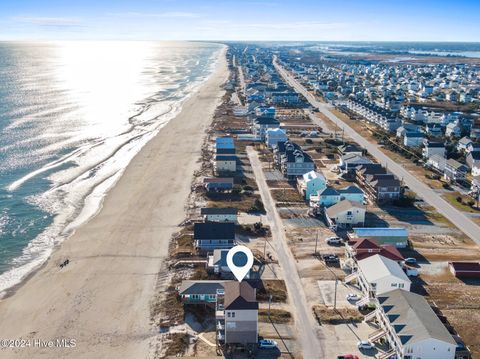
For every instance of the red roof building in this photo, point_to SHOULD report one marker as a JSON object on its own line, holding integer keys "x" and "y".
{"x": 465, "y": 269}
{"x": 366, "y": 247}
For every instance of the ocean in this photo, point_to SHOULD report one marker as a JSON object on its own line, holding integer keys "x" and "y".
{"x": 72, "y": 116}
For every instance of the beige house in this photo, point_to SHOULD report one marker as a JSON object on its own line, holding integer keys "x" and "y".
{"x": 346, "y": 214}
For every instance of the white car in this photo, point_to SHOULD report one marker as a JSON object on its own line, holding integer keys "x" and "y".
{"x": 333, "y": 240}
{"x": 267, "y": 344}
{"x": 352, "y": 297}
{"x": 364, "y": 345}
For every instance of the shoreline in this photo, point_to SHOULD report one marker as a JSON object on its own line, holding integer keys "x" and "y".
{"x": 135, "y": 222}
{"x": 80, "y": 216}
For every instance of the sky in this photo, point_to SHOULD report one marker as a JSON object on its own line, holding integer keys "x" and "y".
{"x": 249, "y": 20}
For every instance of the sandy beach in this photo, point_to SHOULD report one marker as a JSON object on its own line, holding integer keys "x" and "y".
{"x": 102, "y": 298}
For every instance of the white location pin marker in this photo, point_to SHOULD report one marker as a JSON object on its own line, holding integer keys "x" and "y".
{"x": 239, "y": 271}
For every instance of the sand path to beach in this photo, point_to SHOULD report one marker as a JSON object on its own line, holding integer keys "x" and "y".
{"x": 102, "y": 298}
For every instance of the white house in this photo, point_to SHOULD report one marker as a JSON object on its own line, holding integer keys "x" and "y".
{"x": 473, "y": 161}
{"x": 225, "y": 163}
{"x": 310, "y": 183}
{"x": 378, "y": 274}
{"x": 275, "y": 135}
{"x": 410, "y": 327}
{"x": 433, "y": 148}
{"x": 346, "y": 214}
{"x": 438, "y": 162}
{"x": 413, "y": 139}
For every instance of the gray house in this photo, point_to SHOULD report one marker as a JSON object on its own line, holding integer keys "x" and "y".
{"x": 237, "y": 314}
{"x": 410, "y": 327}
{"x": 455, "y": 171}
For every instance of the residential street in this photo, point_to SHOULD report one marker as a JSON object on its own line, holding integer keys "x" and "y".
{"x": 309, "y": 333}
{"x": 463, "y": 222}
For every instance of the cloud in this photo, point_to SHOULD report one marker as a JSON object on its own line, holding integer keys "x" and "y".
{"x": 299, "y": 25}
{"x": 48, "y": 21}
{"x": 168, "y": 14}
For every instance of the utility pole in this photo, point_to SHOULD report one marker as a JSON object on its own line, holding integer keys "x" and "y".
{"x": 269, "y": 303}
{"x": 265, "y": 249}
{"x": 335, "y": 298}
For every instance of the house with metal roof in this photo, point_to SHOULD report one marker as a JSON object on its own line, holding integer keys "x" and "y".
{"x": 410, "y": 327}
{"x": 225, "y": 142}
{"x": 387, "y": 235}
{"x": 330, "y": 196}
{"x": 218, "y": 183}
{"x": 216, "y": 214}
{"x": 367, "y": 247}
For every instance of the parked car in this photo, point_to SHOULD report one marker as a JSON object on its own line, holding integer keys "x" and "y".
{"x": 410, "y": 261}
{"x": 267, "y": 344}
{"x": 364, "y": 345}
{"x": 330, "y": 258}
{"x": 333, "y": 240}
{"x": 347, "y": 356}
{"x": 352, "y": 297}
{"x": 410, "y": 271}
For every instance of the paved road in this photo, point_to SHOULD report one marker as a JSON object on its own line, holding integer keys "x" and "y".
{"x": 308, "y": 331}
{"x": 463, "y": 222}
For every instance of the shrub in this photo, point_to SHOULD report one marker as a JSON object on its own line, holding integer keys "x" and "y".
{"x": 459, "y": 199}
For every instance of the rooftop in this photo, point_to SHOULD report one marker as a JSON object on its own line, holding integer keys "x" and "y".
{"x": 377, "y": 267}
{"x": 412, "y": 317}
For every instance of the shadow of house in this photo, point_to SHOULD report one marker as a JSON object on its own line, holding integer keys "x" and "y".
{"x": 373, "y": 220}
{"x": 412, "y": 215}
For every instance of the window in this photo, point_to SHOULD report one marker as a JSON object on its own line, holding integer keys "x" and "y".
{"x": 394, "y": 284}
{"x": 401, "y": 285}
{"x": 229, "y": 314}
{"x": 233, "y": 314}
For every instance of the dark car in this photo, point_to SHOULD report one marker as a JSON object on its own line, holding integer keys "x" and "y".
{"x": 330, "y": 258}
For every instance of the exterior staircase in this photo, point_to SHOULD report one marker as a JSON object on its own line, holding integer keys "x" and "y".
{"x": 386, "y": 355}
{"x": 351, "y": 277}
{"x": 380, "y": 333}
{"x": 370, "y": 316}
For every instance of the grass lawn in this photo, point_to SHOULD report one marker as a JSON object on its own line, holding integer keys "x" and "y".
{"x": 278, "y": 316}
{"x": 463, "y": 206}
{"x": 329, "y": 315}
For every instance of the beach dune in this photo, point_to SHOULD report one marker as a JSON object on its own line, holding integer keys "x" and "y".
{"x": 102, "y": 298}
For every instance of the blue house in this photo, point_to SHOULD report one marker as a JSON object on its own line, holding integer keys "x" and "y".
{"x": 200, "y": 292}
{"x": 310, "y": 183}
{"x": 330, "y": 196}
{"x": 224, "y": 142}
{"x": 352, "y": 194}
